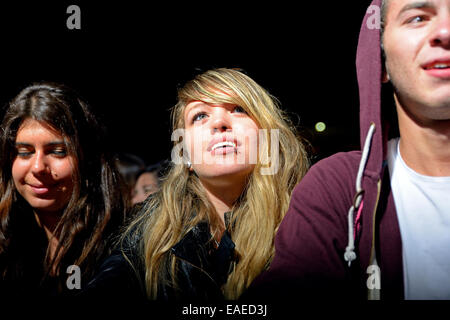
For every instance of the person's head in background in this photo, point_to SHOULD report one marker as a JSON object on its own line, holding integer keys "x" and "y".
{"x": 56, "y": 171}
{"x": 147, "y": 182}
{"x": 215, "y": 104}
{"x": 129, "y": 166}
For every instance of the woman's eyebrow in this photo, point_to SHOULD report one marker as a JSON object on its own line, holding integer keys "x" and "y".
{"x": 199, "y": 105}
{"x": 57, "y": 143}
{"x": 27, "y": 144}
{"x": 22, "y": 144}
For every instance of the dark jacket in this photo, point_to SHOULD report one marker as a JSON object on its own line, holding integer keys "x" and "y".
{"x": 202, "y": 270}
{"x": 340, "y": 235}
{"x": 21, "y": 264}
{"x": 22, "y": 272}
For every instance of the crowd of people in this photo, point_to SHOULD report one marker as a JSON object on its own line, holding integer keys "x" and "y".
{"x": 238, "y": 212}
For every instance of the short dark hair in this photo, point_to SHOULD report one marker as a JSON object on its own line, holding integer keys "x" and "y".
{"x": 384, "y": 5}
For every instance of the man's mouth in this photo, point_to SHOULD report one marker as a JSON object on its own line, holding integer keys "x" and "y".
{"x": 438, "y": 65}
{"x": 438, "y": 69}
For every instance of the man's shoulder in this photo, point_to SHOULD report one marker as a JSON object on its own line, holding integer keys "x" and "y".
{"x": 330, "y": 175}
{"x": 342, "y": 166}
{"x": 348, "y": 161}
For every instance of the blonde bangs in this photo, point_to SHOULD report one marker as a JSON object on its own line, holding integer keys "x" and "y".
{"x": 232, "y": 87}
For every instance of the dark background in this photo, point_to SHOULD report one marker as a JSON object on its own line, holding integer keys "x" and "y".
{"x": 128, "y": 59}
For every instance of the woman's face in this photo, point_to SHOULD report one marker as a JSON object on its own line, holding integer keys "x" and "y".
{"x": 221, "y": 140}
{"x": 146, "y": 184}
{"x": 42, "y": 169}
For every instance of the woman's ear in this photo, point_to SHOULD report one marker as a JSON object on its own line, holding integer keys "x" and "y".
{"x": 189, "y": 166}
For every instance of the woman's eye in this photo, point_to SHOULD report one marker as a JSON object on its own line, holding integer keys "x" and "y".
{"x": 199, "y": 116}
{"x": 239, "y": 109}
{"x": 23, "y": 153}
{"x": 59, "y": 152}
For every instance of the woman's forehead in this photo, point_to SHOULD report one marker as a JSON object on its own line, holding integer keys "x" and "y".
{"x": 199, "y": 104}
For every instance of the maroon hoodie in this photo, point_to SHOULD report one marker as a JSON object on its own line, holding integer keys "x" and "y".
{"x": 341, "y": 227}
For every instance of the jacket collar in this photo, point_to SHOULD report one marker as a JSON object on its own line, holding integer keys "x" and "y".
{"x": 194, "y": 246}
{"x": 197, "y": 248}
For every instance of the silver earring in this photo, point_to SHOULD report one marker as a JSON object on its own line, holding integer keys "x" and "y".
{"x": 189, "y": 164}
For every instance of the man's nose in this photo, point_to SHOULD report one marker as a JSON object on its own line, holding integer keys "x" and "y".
{"x": 441, "y": 34}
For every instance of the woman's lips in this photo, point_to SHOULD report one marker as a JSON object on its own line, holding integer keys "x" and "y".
{"x": 224, "y": 147}
{"x": 225, "y": 140}
{"x": 40, "y": 189}
{"x": 223, "y": 150}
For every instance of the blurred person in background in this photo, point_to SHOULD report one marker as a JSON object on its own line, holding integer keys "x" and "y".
{"x": 148, "y": 181}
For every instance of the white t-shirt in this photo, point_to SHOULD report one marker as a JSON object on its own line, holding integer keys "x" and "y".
{"x": 423, "y": 211}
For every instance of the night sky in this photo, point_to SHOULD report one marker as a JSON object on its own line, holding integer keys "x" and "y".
{"x": 128, "y": 59}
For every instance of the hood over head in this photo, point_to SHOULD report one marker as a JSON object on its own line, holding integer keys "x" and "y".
{"x": 373, "y": 140}
{"x": 369, "y": 72}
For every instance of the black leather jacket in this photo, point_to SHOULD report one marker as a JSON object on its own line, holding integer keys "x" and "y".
{"x": 202, "y": 270}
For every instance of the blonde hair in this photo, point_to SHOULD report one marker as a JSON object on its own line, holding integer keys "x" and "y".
{"x": 182, "y": 202}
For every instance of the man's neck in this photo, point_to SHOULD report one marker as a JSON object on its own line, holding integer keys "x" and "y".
{"x": 425, "y": 146}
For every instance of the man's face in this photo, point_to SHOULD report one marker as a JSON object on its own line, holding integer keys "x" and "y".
{"x": 416, "y": 42}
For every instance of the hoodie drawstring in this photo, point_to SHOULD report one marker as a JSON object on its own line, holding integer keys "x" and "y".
{"x": 350, "y": 254}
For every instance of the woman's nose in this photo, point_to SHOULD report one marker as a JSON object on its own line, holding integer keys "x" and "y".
{"x": 39, "y": 164}
{"x": 221, "y": 122}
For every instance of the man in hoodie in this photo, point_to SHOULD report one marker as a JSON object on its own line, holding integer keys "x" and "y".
{"x": 375, "y": 223}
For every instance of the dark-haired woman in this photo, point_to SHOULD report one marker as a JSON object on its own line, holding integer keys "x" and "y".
{"x": 61, "y": 199}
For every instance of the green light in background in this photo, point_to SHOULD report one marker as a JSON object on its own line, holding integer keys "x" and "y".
{"x": 320, "y": 127}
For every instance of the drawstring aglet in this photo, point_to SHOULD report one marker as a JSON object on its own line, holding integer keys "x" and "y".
{"x": 349, "y": 255}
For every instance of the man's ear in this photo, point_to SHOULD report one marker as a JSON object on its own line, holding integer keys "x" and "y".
{"x": 385, "y": 76}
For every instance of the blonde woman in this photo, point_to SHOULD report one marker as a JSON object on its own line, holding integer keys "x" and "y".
{"x": 210, "y": 229}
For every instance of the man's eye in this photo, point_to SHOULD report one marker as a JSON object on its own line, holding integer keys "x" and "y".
{"x": 416, "y": 19}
